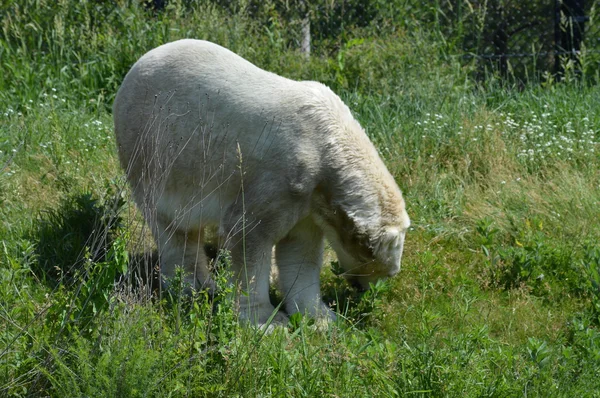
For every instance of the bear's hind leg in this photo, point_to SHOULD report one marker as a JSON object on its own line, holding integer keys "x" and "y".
{"x": 184, "y": 247}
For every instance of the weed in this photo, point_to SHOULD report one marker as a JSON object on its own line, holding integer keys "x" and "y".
{"x": 590, "y": 265}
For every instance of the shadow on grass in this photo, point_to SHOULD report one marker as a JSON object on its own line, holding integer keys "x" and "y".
{"x": 82, "y": 230}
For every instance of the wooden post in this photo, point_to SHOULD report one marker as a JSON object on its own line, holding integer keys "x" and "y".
{"x": 305, "y": 44}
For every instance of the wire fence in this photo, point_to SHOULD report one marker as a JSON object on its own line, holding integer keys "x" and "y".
{"x": 523, "y": 38}
{"x": 513, "y": 38}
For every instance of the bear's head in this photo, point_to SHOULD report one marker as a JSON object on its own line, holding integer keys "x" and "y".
{"x": 367, "y": 256}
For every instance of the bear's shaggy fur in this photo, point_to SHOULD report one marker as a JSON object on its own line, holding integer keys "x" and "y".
{"x": 208, "y": 139}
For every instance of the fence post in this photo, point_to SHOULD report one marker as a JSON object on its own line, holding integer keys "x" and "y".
{"x": 569, "y": 25}
{"x": 305, "y": 26}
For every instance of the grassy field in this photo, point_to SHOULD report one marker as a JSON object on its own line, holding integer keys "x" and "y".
{"x": 499, "y": 294}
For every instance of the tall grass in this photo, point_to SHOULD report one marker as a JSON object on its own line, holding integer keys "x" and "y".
{"x": 498, "y": 295}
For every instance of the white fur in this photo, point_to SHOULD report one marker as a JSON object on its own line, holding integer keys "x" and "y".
{"x": 206, "y": 138}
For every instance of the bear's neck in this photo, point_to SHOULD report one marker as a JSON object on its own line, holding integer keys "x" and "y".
{"x": 351, "y": 195}
{"x": 354, "y": 179}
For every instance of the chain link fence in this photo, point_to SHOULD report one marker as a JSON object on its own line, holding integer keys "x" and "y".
{"x": 523, "y": 39}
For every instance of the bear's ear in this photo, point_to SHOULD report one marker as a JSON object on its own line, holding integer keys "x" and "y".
{"x": 389, "y": 248}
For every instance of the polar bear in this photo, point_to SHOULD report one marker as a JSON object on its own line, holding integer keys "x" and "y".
{"x": 208, "y": 139}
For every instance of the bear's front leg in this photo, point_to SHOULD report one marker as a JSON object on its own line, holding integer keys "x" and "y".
{"x": 264, "y": 215}
{"x": 299, "y": 257}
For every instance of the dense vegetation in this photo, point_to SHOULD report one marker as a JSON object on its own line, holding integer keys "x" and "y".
{"x": 500, "y": 289}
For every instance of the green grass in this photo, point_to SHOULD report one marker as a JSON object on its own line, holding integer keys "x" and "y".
{"x": 499, "y": 294}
